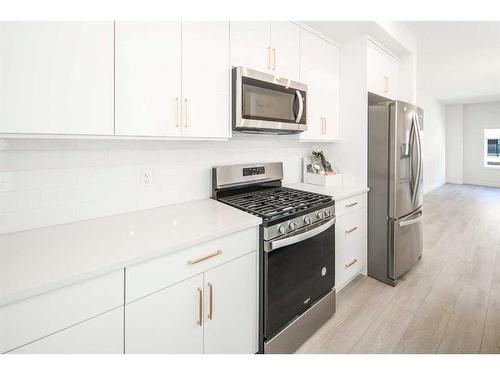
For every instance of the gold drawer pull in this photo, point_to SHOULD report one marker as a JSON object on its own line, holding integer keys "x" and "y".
{"x": 351, "y": 263}
{"x": 198, "y": 260}
{"x": 351, "y": 204}
{"x": 200, "y": 307}
{"x": 210, "y": 301}
{"x": 351, "y": 230}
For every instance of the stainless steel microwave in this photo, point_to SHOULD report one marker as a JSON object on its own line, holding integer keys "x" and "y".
{"x": 262, "y": 102}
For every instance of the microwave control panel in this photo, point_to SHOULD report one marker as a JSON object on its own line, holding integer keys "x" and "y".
{"x": 253, "y": 171}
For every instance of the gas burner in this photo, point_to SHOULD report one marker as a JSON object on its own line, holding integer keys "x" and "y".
{"x": 275, "y": 203}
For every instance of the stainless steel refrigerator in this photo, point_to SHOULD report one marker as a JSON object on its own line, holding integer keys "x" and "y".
{"x": 395, "y": 230}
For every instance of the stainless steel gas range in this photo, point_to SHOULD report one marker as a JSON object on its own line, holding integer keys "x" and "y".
{"x": 297, "y": 251}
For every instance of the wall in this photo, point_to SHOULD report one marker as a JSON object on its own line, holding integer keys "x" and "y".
{"x": 433, "y": 142}
{"x": 454, "y": 143}
{"x": 47, "y": 182}
{"x": 476, "y": 118}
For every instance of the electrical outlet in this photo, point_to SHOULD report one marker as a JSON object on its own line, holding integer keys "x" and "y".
{"x": 147, "y": 177}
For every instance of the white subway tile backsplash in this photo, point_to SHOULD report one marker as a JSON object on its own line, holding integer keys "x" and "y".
{"x": 47, "y": 182}
{"x": 12, "y": 201}
{"x": 19, "y": 160}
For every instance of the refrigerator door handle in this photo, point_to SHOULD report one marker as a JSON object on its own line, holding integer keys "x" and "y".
{"x": 412, "y": 221}
{"x": 419, "y": 160}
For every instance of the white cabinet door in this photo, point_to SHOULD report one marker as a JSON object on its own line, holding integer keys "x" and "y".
{"x": 231, "y": 307}
{"x": 331, "y": 83}
{"x": 168, "y": 321}
{"x": 100, "y": 335}
{"x": 285, "y": 41}
{"x": 56, "y": 77}
{"x": 382, "y": 74}
{"x": 250, "y": 45}
{"x": 148, "y": 78}
{"x": 319, "y": 69}
{"x": 311, "y": 74}
{"x": 205, "y": 79}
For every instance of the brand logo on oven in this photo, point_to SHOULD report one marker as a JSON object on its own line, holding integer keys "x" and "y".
{"x": 307, "y": 301}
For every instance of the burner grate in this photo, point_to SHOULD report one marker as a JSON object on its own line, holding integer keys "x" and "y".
{"x": 274, "y": 202}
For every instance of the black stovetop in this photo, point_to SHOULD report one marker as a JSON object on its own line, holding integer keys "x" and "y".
{"x": 275, "y": 203}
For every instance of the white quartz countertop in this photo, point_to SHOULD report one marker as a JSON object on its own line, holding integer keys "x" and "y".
{"x": 40, "y": 260}
{"x": 338, "y": 192}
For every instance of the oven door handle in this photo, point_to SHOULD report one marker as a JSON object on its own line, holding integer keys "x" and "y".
{"x": 300, "y": 237}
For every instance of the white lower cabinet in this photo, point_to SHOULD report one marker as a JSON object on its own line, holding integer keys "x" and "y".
{"x": 350, "y": 239}
{"x": 212, "y": 312}
{"x": 168, "y": 321}
{"x": 100, "y": 335}
{"x": 231, "y": 307}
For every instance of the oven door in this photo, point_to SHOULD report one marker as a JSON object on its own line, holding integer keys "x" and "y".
{"x": 298, "y": 270}
{"x": 263, "y": 102}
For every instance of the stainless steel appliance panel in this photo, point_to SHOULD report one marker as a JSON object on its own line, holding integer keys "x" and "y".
{"x": 301, "y": 328}
{"x": 378, "y": 181}
{"x": 395, "y": 237}
{"x": 298, "y": 270}
{"x": 406, "y": 243}
{"x": 405, "y": 160}
{"x": 263, "y": 102}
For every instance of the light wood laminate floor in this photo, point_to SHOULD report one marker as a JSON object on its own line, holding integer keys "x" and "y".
{"x": 448, "y": 303}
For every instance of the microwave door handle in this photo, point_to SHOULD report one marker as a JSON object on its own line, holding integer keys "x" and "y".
{"x": 300, "y": 237}
{"x": 301, "y": 106}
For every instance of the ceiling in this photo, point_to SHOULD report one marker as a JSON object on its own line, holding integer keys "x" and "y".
{"x": 458, "y": 61}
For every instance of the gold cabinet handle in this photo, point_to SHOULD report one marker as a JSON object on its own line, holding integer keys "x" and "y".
{"x": 351, "y": 204}
{"x": 268, "y": 57}
{"x": 200, "y": 307}
{"x": 351, "y": 230}
{"x": 274, "y": 58}
{"x": 201, "y": 259}
{"x": 177, "y": 103}
{"x": 351, "y": 263}
{"x": 210, "y": 301}
{"x": 386, "y": 84}
{"x": 185, "y": 113}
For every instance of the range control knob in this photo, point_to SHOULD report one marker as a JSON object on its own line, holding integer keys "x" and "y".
{"x": 328, "y": 212}
{"x": 282, "y": 229}
{"x": 292, "y": 225}
{"x": 307, "y": 220}
{"x": 319, "y": 215}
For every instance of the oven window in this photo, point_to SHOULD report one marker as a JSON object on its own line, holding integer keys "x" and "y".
{"x": 296, "y": 276}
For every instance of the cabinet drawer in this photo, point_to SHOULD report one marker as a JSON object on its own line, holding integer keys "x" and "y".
{"x": 151, "y": 276}
{"x": 348, "y": 263}
{"x": 100, "y": 335}
{"x": 351, "y": 204}
{"x": 30, "y": 319}
{"x": 350, "y": 231}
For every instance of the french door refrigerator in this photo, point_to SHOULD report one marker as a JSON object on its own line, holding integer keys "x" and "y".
{"x": 395, "y": 231}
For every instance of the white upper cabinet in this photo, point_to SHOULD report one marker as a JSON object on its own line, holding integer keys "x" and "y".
{"x": 148, "y": 78}
{"x": 172, "y": 79}
{"x": 56, "y": 78}
{"x": 250, "y": 45}
{"x": 272, "y": 47}
{"x": 285, "y": 53}
{"x": 319, "y": 69}
{"x": 205, "y": 79}
{"x": 382, "y": 74}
